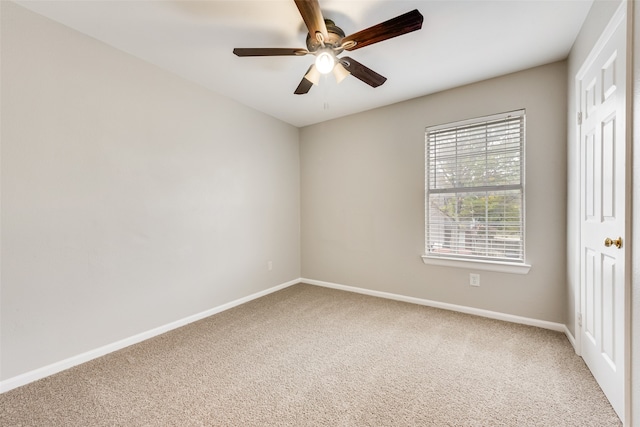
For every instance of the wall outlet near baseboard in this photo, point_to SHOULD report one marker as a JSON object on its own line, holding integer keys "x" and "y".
{"x": 474, "y": 279}
{"x": 269, "y": 265}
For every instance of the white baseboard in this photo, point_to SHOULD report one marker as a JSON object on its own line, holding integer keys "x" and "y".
{"x": 571, "y": 338}
{"x": 62, "y": 365}
{"x": 446, "y": 306}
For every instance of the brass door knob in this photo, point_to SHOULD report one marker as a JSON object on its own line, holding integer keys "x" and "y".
{"x": 617, "y": 242}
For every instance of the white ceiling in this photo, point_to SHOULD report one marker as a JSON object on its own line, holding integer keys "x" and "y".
{"x": 461, "y": 41}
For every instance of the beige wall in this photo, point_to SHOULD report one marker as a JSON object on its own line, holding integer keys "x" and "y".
{"x": 130, "y": 197}
{"x": 362, "y": 199}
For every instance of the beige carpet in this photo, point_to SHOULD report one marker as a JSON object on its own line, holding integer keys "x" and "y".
{"x": 309, "y": 356}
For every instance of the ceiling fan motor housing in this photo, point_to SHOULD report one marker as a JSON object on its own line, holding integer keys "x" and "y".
{"x": 334, "y": 39}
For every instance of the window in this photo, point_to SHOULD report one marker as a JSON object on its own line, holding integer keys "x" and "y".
{"x": 474, "y": 207}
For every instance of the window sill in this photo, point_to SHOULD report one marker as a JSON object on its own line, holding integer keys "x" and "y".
{"x": 502, "y": 267}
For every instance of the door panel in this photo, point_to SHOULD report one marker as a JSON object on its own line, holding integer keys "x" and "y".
{"x": 603, "y": 198}
{"x": 608, "y": 304}
{"x": 589, "y": 196}
{"x": 588, "y": 313}
{"x": 608, "y": 169}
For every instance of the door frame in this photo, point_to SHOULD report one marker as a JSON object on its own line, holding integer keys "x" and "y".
{"x": 622, "y": 14}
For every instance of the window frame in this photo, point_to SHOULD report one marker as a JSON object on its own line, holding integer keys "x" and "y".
{"x": 477, "y": 263}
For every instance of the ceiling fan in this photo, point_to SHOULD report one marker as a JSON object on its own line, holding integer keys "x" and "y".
{"x": 326, "y": 41}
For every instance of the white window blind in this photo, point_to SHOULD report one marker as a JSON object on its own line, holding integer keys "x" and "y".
{"x": 475, "y": 189}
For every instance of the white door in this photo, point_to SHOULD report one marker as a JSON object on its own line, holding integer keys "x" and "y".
{"x": 601, "y": 83}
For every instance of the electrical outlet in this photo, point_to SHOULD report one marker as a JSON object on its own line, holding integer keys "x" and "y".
{"x": 269, "y": 265}
{"x": 474, "y": 279}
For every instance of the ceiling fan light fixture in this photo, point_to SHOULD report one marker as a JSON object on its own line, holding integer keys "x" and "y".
{"x": 325, "y": 61}
{"x": 313, "y": 75}
{"x": 340, "y": 72}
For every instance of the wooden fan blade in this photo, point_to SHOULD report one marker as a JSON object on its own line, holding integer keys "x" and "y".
{"x": 312, "y": 17}
{"x": 403, "y": 24}
{"x": 304, "y": 85}
{"x": 268, "y": 51}
{"x": 363, "y": 73}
